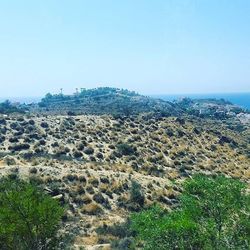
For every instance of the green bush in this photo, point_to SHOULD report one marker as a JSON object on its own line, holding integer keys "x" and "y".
{"x": 213, "y": 214}
{"x": 124, "y": 236}
{"x": 29, "y": 218}
{"x": 125, "y": 149}
{"x": 136, "y": 194}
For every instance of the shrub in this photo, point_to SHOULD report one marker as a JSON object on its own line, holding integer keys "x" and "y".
{"x": 71, "y": 177}
{"x": 44, "y": 125}
{"x": 123, "y": 244}
{"x": 126, "y": 149}
{"x": 70, "y": 113}
{"x": 77, "y": 154}
{"x": 2, "y": 139}
{"x": 19, "y": 147}
{"x": 98, "y": 198}
{"x": 99, "y": 155}
{"x": 55, "y": 144}
{"x": 13, "y": 139}
{"x": 82, "y": 179}
{"x": 92, "y": 209}
{"x": 42, "y": 142}
{"x": 137, "y": 197}
{"x": 89, "y": 151}
{"x": 31, "y": 122}
{"x": 33, "y": 170}
{"x": 213, "y": 214}
{"x": 120, "y": 230}
{"x": 29, "y": 218}
{"x": 10, "y": 161}
{"x": 86, "y": 199}
{"x": 3, "y": 121}
{"x": 62, "y": 151}
{"x": 94, "y": 181}
{"x": 80, "y": 146}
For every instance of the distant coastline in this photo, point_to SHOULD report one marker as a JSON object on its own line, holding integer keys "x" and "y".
{"x": 241, "y": 99}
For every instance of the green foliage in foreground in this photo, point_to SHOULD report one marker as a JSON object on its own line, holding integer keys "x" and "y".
{"x": 29, "y": 219}
{"x": 213, "y": 214}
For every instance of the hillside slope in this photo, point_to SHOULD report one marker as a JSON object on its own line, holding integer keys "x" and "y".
{"x": 89, "y": 162}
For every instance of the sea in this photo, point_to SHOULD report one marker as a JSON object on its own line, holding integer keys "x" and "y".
{"x": 26, "y": 100}
{"x": 240, "y": 99}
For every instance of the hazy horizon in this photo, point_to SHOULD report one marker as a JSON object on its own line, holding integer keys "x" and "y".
{"x": 151, "y": 47}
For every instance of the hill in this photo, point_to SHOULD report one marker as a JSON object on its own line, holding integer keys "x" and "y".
{"x": 212, "y": 108}
{"x": 90, "y": 162}
{"x": 103, "y": 101}
{"x": 94, "y": 150}
{"x": 121, "y": 102}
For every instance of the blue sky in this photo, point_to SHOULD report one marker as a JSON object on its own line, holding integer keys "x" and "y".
{"x": 150, "y": 46}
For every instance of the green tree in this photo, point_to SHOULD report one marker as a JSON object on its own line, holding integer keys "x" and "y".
{"x": 7, "y": 107}
{"x": 29, "y": 218}
{"x": 136, "y": 193}
{"x": 213, "y": 214}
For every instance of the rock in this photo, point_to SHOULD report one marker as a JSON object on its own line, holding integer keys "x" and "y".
{"x": 48, "y": 190}
{"x": 58, "y": 197}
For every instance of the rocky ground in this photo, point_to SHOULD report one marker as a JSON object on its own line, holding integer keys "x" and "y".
{"x": 89, "y": 162}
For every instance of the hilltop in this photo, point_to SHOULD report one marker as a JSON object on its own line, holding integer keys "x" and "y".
{"x": 104, "y": 100}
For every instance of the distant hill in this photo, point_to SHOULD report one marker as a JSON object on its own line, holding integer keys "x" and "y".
{"x": 104, "y": 100}
{"x": 210, "y": 107}
{"x": 7, "y": 107}
{"x": 122, "y": 102}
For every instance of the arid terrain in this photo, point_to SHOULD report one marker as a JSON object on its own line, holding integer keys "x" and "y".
{"x": 89, "y": 162}
{"x": 125, "y": 125}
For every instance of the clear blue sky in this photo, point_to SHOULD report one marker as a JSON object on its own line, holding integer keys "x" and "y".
{"x": 150, "y": 46}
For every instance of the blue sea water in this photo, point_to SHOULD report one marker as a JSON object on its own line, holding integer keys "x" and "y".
{"x": 26, "y": 100}
{"x": 241, "y": 99}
